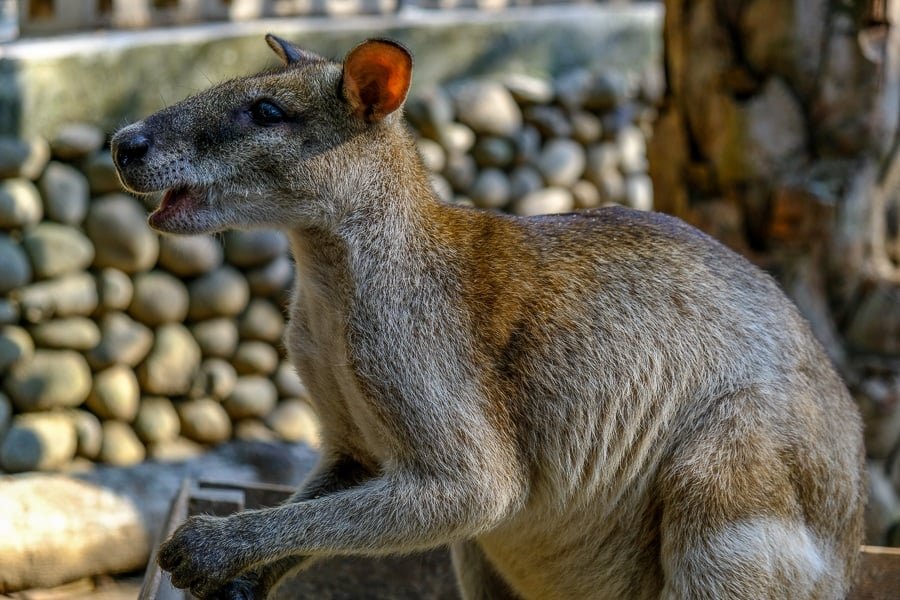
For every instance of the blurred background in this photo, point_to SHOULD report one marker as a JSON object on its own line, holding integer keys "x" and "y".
{"x": 129, "y": 360}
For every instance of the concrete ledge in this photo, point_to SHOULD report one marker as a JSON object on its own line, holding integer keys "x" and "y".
{"x": 110, "y": 78}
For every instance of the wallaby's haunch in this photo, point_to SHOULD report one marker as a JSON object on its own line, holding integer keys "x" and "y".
{"x": 607, "y": 404}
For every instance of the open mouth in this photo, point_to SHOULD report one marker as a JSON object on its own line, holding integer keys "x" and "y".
{"x": 176, "y": 203}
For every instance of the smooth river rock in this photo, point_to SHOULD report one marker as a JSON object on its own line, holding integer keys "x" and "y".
{"x": 115, "y": 288}
{"x": 122, "y": 340}
{"x": 561, "y": 162}
{"x": 50, "y": 379}
{"x": 271, "y": 279}
{"x": 253, "y": 248}
{"x": 66, "y": 193}
{"x": 488, "y": 108}
{"x": 156, "y": 420}
{"x": 288, "y": 382}
{"x": 121, "y": 446}
{"x": 221, "y": 293}
{"x": 252, "y": 396}
{"x": 158, "y": 298}
{"x": 71, "y": 333}
{"x": 16, "y": 346}
{"x": 23, "y": 158}
{"x": 71, "y": 295}
{"x": 190, "y": 255}
{"x": 76, "y": 140}
{"x": 217, "y": 337}
{"x": 88, "y": 432}
{"x": 262, "y": 321}
{"x": 204, "y": 420}
{"x": 295, "y": 421}
{"x": 15, "y": 269}
{"x": 56, "y": 249}
{"x": 115, "y": 394}
{"x": 117, "y": 224}
{"x": 214, "y": 379}
{"x": 255, "y": 358}
{"x": 36, "y": 442}
{"x": 20, "y": 204}
{"x": 544, "y": 201}
{"x": 169, "y": 368}
{"x": 6, "y": 411}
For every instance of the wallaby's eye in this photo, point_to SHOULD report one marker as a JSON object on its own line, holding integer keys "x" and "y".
{"x": 266, "y": 112}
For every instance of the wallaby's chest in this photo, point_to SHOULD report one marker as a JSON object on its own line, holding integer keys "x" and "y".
{"x": 318, "y": 344}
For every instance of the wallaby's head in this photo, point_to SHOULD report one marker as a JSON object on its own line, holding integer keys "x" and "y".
{"x": 286, "y": 147}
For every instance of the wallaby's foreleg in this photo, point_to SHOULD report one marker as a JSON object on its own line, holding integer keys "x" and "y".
{"x": 401, "y": 511}
{"x": 477, "y": 578}
{"x": 332, "y": 474}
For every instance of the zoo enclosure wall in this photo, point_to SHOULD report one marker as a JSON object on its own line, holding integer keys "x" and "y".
{"x": 28, "y": 18}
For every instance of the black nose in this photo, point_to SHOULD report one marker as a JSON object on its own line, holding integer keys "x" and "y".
{"x": 130, "y": 149}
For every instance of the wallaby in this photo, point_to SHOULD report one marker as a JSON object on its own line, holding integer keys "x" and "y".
{"x": 606, "y": 404}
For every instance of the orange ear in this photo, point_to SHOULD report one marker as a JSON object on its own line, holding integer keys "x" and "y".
{"x": 376, "y": 78}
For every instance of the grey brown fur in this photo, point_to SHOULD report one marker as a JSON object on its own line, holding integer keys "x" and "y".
{"x": 599, "y": 405}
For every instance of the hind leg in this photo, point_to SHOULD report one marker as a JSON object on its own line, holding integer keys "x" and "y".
{"x": 754, "y": 559}
{"x": 740, "y": 519}
{"x": 476, "y": 577}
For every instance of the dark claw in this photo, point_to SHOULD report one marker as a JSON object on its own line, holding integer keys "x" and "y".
{"x": 184, "y": 580}
{"x": 237, "y": 589}
{"x": 168, "y": 557}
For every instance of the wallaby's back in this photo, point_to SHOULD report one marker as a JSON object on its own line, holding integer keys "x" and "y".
{"x": 660, "y": 382}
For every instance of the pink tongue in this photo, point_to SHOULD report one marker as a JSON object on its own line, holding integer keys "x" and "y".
{"x": 169, "y": 198}
{"x": 167, "y": 206}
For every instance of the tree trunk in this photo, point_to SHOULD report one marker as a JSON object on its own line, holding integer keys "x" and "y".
{"x": 779, "y": 135}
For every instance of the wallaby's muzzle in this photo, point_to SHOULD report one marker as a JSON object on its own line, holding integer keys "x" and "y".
{"x": 145, "y": 166}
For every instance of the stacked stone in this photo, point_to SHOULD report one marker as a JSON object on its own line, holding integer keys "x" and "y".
{"x": 118, "y": 345}
{"x": 531, "y": 145}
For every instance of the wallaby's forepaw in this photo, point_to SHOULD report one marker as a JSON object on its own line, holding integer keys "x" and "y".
{"x": 202, "y": 556}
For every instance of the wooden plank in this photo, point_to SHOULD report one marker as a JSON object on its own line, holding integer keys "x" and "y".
{"x": 879, "y": 574}
{"x": 256, "y": 495}
{"x": 153, "y": 587}
{"x": 189, "y": 500}
{"x": 215, "y": 501}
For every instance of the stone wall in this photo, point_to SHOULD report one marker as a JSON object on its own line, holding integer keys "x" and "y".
{"x": 529, "y": 145}
{"x": 118, "y": 345}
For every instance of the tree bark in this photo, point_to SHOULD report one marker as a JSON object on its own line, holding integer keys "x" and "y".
{"x": 779, "y": 135}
